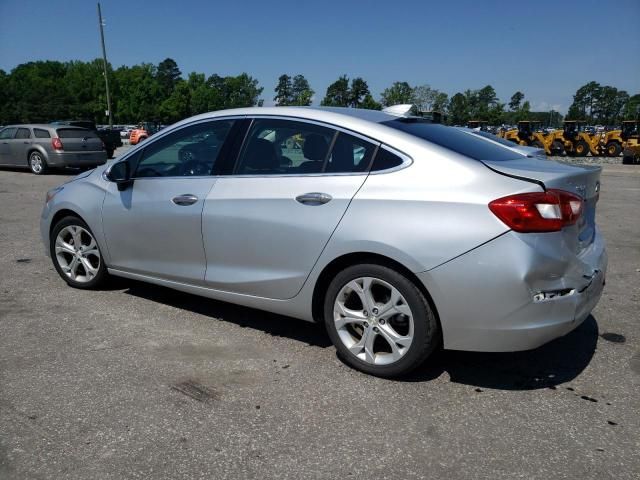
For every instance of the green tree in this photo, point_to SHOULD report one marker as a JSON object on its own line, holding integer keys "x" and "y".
{"x": 398, "y": 93}
{"x": 168, "y": 75}
{"x": 584, "y": 101}
{"x": 370, "y": 104}
{"x": 301, "y": 91}
{"x": 178, "y": 105}
{"x": 338, "y": 93}
{"x": 284, "y": 91}
{"x": 458, "y": 109}
{"x": 516, "y": 99}
{"x": 631, "y": 110}
{"x": 359, "y": 93}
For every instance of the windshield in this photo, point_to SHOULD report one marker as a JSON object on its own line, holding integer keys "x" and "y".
{"x": 454, "y": 139}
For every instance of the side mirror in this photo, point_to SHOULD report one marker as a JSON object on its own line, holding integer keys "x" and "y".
{"x": 120, "y": 173}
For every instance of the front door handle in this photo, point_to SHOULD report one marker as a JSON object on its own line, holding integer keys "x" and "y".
{"x": 314, "y": 198}
{"x": 184, "y": 200}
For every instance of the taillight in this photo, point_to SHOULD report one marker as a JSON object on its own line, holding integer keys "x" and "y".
{"x": 538, "y": 212}
{"x": 56, "y": 143}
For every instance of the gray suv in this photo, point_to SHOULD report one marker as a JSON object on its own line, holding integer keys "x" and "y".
{"x": 39, "y": 147}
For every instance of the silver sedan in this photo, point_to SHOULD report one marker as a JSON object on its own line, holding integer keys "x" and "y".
{"x": 399, "y": 235}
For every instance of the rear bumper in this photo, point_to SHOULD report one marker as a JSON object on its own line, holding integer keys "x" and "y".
{"x": 76, "y": 159}
{"x": 516, "y": 292}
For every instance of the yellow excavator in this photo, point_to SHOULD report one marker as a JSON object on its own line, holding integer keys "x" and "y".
{"x": 613, "y": 141}
{"x": 577, "y": 142}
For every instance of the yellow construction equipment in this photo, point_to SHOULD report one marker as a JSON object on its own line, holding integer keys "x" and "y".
{"x": 577, "y": 142}
{"x": 631, "y": 154}
{"x": 528, "y": 133}
{"x": 613, "y": 141}
{"x": 630, "y": 133}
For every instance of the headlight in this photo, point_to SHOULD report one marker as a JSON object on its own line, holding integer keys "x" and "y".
{"x": 52, "y": 193}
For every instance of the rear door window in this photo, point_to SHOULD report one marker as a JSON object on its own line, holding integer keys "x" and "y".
{"x": 23, "y": 133}
{"x": 471, "y": 146}
{"x": 76, "y": 133}
{"x": 284, "y": 147}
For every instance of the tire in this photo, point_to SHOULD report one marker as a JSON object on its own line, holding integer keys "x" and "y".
{"x": 37, "y": 163}
{"x": 627, "y": 160}
{"x": 65, "y": 235}
{"x": 557, "y": 148}
{"x": 410, "y": 320}
{"x": 613, "y": 149}
{"x": 537, "y": 144}
{"x": 582, "y": 149}
{"x": 141, "y": 139}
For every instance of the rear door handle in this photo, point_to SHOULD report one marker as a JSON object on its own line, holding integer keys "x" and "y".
{"x": 185, "y": 199}
{"x": 314, "y": 198}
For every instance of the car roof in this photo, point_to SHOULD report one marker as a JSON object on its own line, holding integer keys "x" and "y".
{"x": 327, "y": 114}
{"x": 41, "y": 125}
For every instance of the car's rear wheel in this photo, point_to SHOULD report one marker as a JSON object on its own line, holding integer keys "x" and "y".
{"x": 37, "y": 163}
{"x": 76, "y": 255}
{"x": 379, "y": 321}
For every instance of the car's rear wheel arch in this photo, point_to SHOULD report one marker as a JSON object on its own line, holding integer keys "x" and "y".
{"x": 357, "y": 258}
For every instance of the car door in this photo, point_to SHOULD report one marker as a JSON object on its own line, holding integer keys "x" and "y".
{"x": 154, "y": 227}
{"x": 266, "y": 224}
{"x": 6, "y": 139}
{"x": 19, "y": 146}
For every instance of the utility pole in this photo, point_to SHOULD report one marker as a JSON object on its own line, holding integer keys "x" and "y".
{"x": 104, "y": 58}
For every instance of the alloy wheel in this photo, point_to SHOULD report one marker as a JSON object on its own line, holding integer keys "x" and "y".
{"x": 36, "y": 163}
{"x": 373, "y": 320}
{"x": 77, "y": 253}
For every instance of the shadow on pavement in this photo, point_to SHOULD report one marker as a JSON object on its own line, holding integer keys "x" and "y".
{"x": 545, "y": 367}
{"x": 270, "y": 323}
{"x": 556, "y": 362}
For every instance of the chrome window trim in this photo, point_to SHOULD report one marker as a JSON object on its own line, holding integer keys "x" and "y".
{"x": 407, "y": 161}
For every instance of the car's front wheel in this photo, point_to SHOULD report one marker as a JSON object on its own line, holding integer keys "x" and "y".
{"x": 76, "y": 255}
{"x": 379, "y": 321}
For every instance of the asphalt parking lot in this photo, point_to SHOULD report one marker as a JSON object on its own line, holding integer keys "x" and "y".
{"x": 138, "y": 381}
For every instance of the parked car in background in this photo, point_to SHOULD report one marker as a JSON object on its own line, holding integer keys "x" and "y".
{"x": 399, "y": 234}
{"x": 111, "y": 138}
{"x": 43, "y": 146}
{"x": 125, "y": 133}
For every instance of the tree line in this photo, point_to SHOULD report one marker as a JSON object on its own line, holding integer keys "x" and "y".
{"x": 43, "y": 91}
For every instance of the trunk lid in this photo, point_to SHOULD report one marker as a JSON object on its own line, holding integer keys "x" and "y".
{"x": 79, "y": 140}
{"x": 583, "y": 180}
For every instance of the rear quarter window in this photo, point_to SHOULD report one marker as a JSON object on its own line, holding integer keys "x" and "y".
{"x": 385, "y": 160}
{"x": 471, "y": 146}
{"x": 76, "y": 133}
{"x": 40, "y": 133}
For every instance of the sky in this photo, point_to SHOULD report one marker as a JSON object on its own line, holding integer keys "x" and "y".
{"x": 546, "y": 49}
